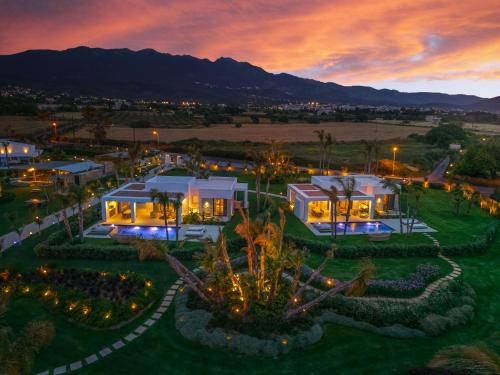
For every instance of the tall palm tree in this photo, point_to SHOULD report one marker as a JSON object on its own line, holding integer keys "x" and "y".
{"x": 65, "y": 201}
{"x": 368, "y": 147}
{"x": 416, "y": 192}
{"x": 80, "y": 196}
{"x": 396, "y": 191}
{"x": 177, "y": 204}
{"x": 5, "y": 146}
{"x": 134, "y": 154}
{"x": 333, "y": 197}
{"x": 329, "y": 142}
{"x": 348, "y": 188}
{"x": 321, "y": 140}
{"x": 163, "y": 200}
{"x": 259, "y": 163}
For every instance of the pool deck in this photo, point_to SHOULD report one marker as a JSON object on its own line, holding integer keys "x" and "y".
{"x": 393, "y": 223}
{"x": 212, "y": 232}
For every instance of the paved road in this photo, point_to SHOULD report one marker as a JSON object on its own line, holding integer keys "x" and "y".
{"x": 437, "y": 175}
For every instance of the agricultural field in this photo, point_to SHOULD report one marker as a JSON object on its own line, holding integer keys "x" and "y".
{"x": 476, "y": 127}
{"x": 23, "y": 125}
{"x": 157, "y": 120}
{"x": 299, "y": 132}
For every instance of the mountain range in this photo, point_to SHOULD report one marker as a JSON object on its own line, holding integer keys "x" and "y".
{"x": 148, "y": 74}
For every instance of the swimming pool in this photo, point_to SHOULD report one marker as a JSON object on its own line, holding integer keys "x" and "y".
{"x": 355, "y": 227}
{"x": 141, "y": 231}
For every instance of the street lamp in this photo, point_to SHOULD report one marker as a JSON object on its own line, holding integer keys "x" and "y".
{"x": 54, "y": 129}
{"x": 157, "y": 135}
{"x": 394, "y": 150}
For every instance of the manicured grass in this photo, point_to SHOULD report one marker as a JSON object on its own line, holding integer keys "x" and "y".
{"x": 386, "y": 268}
{"x": 25, "y": 214}
{"x": 436, "y": 210}
{"x": 162, "y": 350}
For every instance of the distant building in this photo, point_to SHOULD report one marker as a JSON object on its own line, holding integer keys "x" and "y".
{"x": 78, "y": 173}
{"x": 15, "y": 152}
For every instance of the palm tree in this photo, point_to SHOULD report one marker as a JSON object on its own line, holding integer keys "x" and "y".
{"x": 348, "y": 188}
{"x": 18, "y": 351}
{"x": 329, "y": 142}
{"x": 177, "y": 204}
{"x": 80, "y": 196}
{"x": 321, "y": 140}
{"x": 163, "y": 200}
{"x": 416, "y": 192}
{"x": 134, "y": 154}
{"x": 396, "y": 191}
{"x": 259, "y": 163}
{"x": 5, "y": 145}
{"x": 368, "y": 152}
{"x": 65, "y": 201}
{"x": 333, "y": 196}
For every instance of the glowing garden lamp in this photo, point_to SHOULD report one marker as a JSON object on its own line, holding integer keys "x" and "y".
{"x": 54, "y": 128}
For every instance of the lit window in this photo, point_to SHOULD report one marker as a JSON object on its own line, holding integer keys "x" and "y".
{"x": 219, "y": 207}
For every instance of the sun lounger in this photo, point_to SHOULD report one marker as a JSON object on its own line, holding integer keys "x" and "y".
{"x": 195, "y": 231}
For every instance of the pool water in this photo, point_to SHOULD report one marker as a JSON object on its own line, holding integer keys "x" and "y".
{"x": 145, "y": 232}
{"x": 355, "y": 227}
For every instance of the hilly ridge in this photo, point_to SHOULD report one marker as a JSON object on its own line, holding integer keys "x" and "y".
{"x": 150, "y": 74}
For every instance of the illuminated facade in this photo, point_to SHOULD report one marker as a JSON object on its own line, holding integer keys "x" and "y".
{"x": 211, "y": 198}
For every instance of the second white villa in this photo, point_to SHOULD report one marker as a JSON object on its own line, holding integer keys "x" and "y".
{"x": 214, "y": 197}
{"x": 311, "y": 205}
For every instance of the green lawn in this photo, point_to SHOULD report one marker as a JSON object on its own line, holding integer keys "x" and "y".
{"x": 25, "y": 214}
{"x": 386, "y": 268}
{"x": 162, "y": 350}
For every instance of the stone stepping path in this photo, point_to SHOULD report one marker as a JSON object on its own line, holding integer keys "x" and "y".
{"x": 120, "y": 343}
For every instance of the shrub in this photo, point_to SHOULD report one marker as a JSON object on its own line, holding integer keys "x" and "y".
{"x": 374, "y": 251}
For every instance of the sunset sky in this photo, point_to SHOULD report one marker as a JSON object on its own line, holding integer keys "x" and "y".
{"x": 410, "y": 45}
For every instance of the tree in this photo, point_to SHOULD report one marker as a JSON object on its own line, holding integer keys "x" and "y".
{"x": 396, "y": 191}
{"x": 195, "y": 162}
{"x": 15, "y": 223}
{"x": 163, "y": 199}
{"x": 348, "y": 188}
{"x": 258, "y": 162}
{"x": 80, "y": 196}
{"x": 333, "y": 197}
{"x": 177, "y": 205}
{"x": 18, "y": 351}
{"x": 134, "y": 154}
{"x": 97, "y": 120}
{"x": 414, "y": 191}
{"x": 65, "y": 200}
{"x": 277, "y": 164}
{"x": 368, "y": 149}
{"x": 5, "y": 146}
{"x": 326, "y": 141}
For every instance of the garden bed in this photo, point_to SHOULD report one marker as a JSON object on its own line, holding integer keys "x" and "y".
{"x": 446, "y": 308}
{"x": 93, "y": 299}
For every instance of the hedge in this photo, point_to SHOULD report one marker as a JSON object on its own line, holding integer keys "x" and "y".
{"x": 374, "y": 251}
{"x": 57, "y": 246}
{"x": 479, "y": 246}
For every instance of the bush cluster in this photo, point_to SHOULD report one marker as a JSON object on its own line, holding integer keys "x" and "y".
{"x": 380, "y": 313}
{"x": 194, "y": 325}
{"x": 374, "y": 251}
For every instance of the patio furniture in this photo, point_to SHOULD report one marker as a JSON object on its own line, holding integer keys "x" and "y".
{"x": 126, "y": 214}
{"x": 317, "y": 212}
{"x": 195, "y": 231}
{"x": 379, "y": 237}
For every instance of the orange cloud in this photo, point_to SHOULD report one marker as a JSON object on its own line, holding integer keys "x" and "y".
{"x": 348, "y": 42}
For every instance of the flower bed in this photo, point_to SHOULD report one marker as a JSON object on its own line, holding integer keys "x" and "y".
{"x": 95, "y": 299}
{"x": 410, "y": 286}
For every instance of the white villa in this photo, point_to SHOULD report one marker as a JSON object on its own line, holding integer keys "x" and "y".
{"x": 215, "y": 197}
{"x": 311, "y": 205}
{"x": 17, "y": 152}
